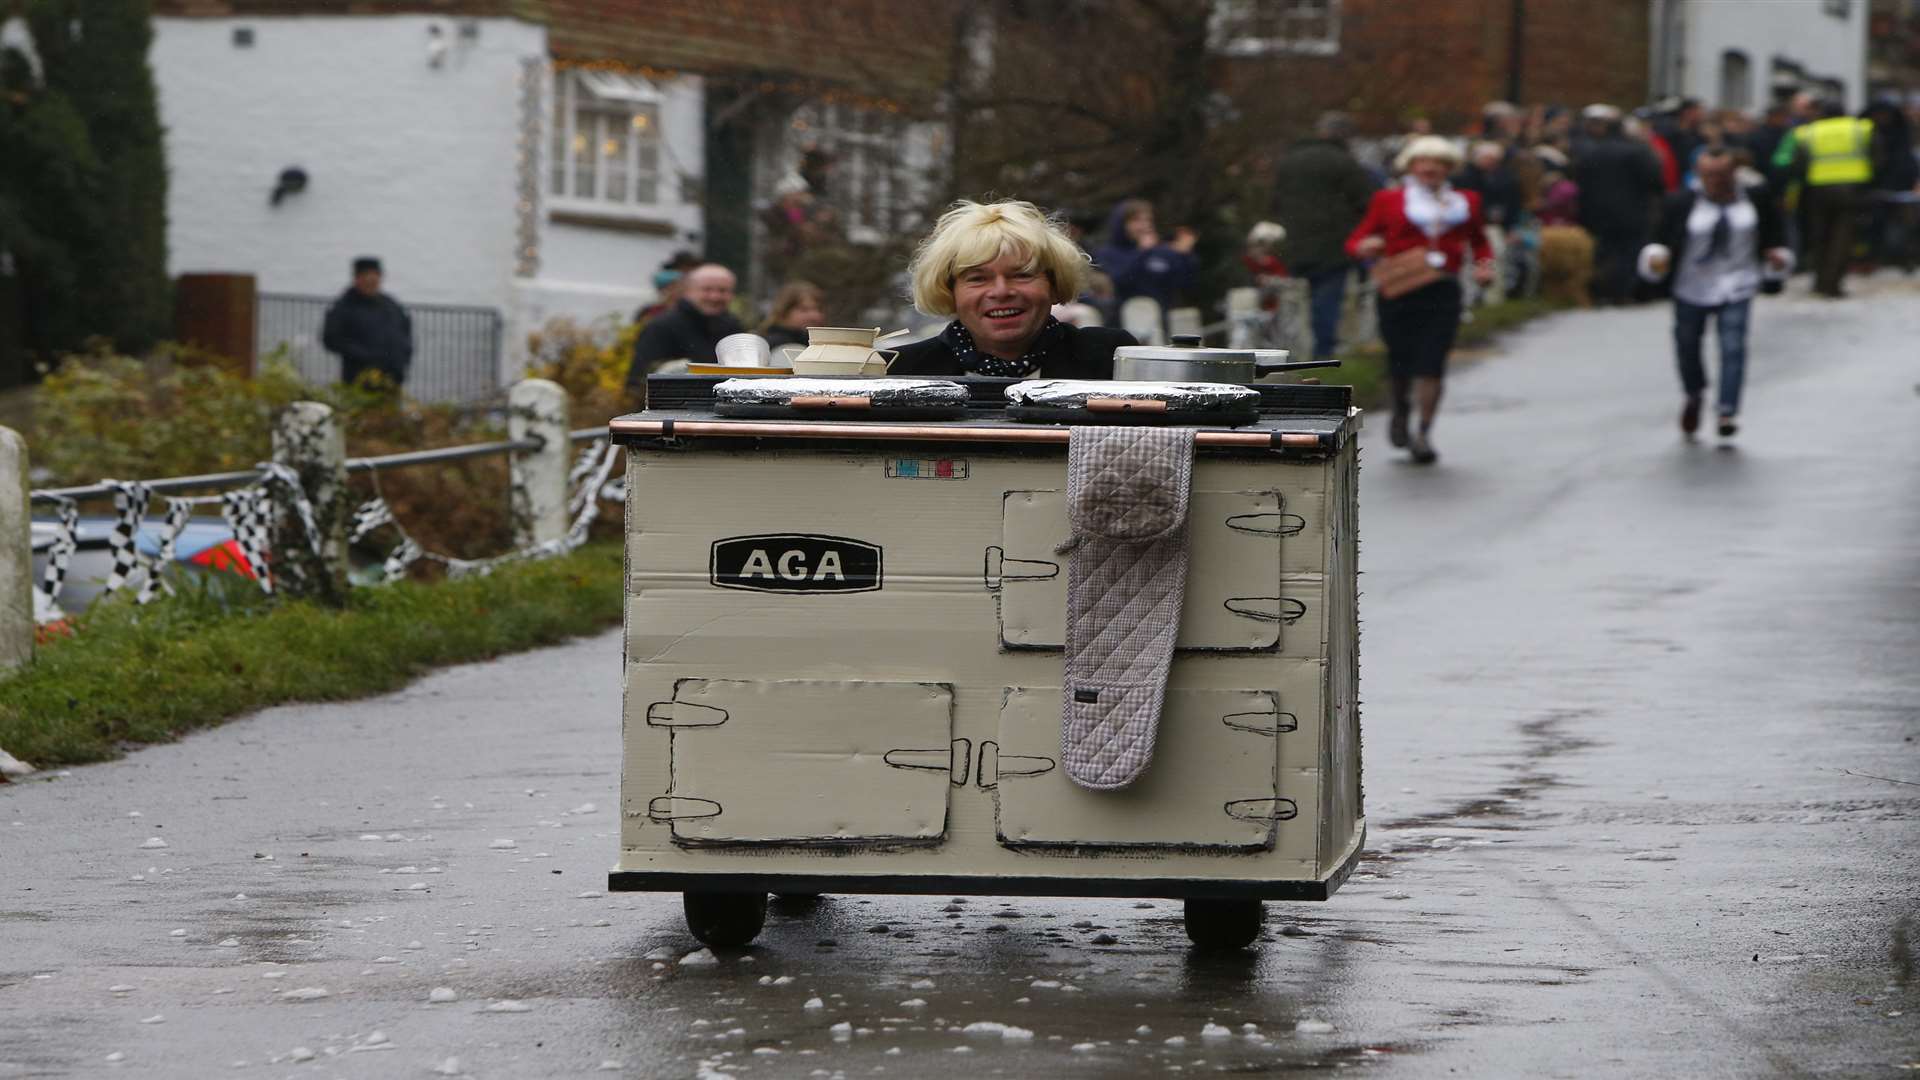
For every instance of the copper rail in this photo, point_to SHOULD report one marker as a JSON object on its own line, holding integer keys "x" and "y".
{"x": 929, "y": 432}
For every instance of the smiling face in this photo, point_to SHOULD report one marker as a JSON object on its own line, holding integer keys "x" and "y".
{"x": 710, "y": 289}
{"x": 1003, "y": 304}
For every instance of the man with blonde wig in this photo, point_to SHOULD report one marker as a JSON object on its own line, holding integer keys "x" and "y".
{"x": 997, "y": 269}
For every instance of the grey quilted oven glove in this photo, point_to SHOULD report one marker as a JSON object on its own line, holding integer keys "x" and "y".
{"x": 1128, "y": 490}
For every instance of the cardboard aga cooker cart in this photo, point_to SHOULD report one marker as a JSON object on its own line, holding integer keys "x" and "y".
{"x": 843, "y": 661}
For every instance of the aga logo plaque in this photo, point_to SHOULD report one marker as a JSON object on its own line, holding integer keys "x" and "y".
{"x": 795, "y": 563}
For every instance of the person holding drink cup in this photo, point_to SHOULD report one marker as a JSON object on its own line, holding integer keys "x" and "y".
{"x": 1717, "y": 244}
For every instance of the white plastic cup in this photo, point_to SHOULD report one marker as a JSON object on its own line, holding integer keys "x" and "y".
{"x": 742, "y": 350}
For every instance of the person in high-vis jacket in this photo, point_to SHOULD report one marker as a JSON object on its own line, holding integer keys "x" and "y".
{"x": 1835, "y": 162}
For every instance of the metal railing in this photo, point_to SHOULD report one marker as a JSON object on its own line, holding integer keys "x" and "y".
{"x": 353, "y": 465}
{"x": 456, "y": 349}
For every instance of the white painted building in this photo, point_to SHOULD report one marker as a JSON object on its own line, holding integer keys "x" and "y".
{"x": 1740, "y": 54}
{"x": 452, "y": 148}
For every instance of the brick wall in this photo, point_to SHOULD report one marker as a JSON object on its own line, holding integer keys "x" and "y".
{"x": 881, "y": 45}
{"x": 1444, "y": 59}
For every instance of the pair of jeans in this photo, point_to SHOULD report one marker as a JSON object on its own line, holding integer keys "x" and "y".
{"x": 1690, "y": 330}
{"x": 1326, "y": 293}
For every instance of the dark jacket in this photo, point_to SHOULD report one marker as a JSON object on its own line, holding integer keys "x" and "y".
{"x": 1319, "y": 194}
{"x": 679, "y": 333}
{"x": 1083, "y": 352}
{"x": 1771, "y": 229}
{"x": 1159, "y": 272}
{"x": 1620, "y": 183}
{"x": 785, "y": 335}
{"x": 369, "y": 333}
{"x": 1499, "y": 193}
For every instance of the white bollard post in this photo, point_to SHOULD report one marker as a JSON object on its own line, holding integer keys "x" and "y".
{"x": 16, "y": 553}
{"x": 538, "y": 408}
{"x": 308, "y": 440}
{"x": 1243, "y": 308}
{"x": 1296, "y": 317}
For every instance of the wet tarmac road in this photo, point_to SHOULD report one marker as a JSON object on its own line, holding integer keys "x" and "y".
{"x": 1626, "y": 701}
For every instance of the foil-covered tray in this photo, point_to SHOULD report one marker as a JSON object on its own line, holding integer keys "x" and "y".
{"x": 878, "y": 393}
{"x": 1177, "y": 396}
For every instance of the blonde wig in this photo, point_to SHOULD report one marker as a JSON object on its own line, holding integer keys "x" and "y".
{"x": 974, "y": 234}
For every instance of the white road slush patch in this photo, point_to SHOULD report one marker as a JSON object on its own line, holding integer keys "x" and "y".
{"x": 1313, "y": 1027}
{"x": 306, "y": 993}
{"x": 1006, "y": 1032}
{"x": 440, "y": 995}
{"x": 699, "y": 958}
{"x": 508, "y": 1007}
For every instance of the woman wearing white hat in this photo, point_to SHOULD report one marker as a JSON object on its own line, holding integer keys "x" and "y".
{"x": 1422, "y": 232}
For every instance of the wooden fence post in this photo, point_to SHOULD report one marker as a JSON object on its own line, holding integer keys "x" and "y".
{"x": 307, "y": 440}
{"x": 538, "y": 408}
{"x": 16, "y": 553}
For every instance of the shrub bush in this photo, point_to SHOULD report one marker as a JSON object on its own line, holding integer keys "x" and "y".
{"x": 590, "y": 360}
{"x": 103, "y": 415}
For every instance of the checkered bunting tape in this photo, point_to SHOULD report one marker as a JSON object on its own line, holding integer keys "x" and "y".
{"x": 588, "y": 477}
{"x": 372, "y": 514}
{"x": 246, "y": 511}
{"x": 275, "y": 473}
{"x": 249, "y": 512}
{"x": 130, "y": 509}
{"x": 591, "y": 461}
{"x": 179, "y": 512}
{"x": 46, "y": 594}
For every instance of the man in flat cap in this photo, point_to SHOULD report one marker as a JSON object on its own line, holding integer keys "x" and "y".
{"x": 368, "y": 329}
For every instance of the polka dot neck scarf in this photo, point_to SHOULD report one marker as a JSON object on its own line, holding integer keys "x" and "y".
{"x": 975, "y": 362}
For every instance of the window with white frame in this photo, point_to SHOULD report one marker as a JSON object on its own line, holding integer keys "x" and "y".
{"x": 866, "y": 187}
{"x": 606, "y": 139}
{"x": 1261, "y": 27}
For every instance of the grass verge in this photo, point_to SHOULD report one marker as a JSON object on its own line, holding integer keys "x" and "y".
{"x": 1365, "y": 367}
{"x": 137, "y": 675}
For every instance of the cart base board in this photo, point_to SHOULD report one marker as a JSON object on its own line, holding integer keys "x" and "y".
{"x": 989, "y": 885}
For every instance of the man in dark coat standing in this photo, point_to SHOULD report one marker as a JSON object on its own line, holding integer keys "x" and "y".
{"x": 689, "y": 329}
{"x": 368, "y": 329}
{"x": 1319, "y": 194}
{"x": 1620, "y": 189}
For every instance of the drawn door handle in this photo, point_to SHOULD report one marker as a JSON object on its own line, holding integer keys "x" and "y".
{"x": 953, "y": 761}
{"x": 1262, "y": 809}
{"x": 666, "y": 808}
{"x": 994, "y": 765}
{"x": 1271, "y": 722}
{"x": 679, "y": 714}
{"x": 1280, "y": 609}
{"x": 1268, "y": 524}
{"x": 994, "y": 570}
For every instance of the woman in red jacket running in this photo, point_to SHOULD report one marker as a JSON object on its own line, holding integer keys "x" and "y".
{"x": 1423, "y": 214}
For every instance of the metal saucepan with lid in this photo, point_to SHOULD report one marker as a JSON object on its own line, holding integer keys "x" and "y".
{"x": 1186, "y": 361}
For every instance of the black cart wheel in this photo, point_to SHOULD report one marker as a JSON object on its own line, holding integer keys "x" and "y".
{"x": 725, "y": 919}
{"x": 1224, "y": 924}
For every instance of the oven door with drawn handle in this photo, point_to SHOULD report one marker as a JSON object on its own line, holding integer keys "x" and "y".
{"x": 1234, "y": 597}
{"x": 1213, "y": 782}
{"x": 808, "y": 762}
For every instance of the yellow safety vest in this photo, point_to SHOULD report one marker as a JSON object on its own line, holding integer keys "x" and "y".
{"x": 1837, "y": 151}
